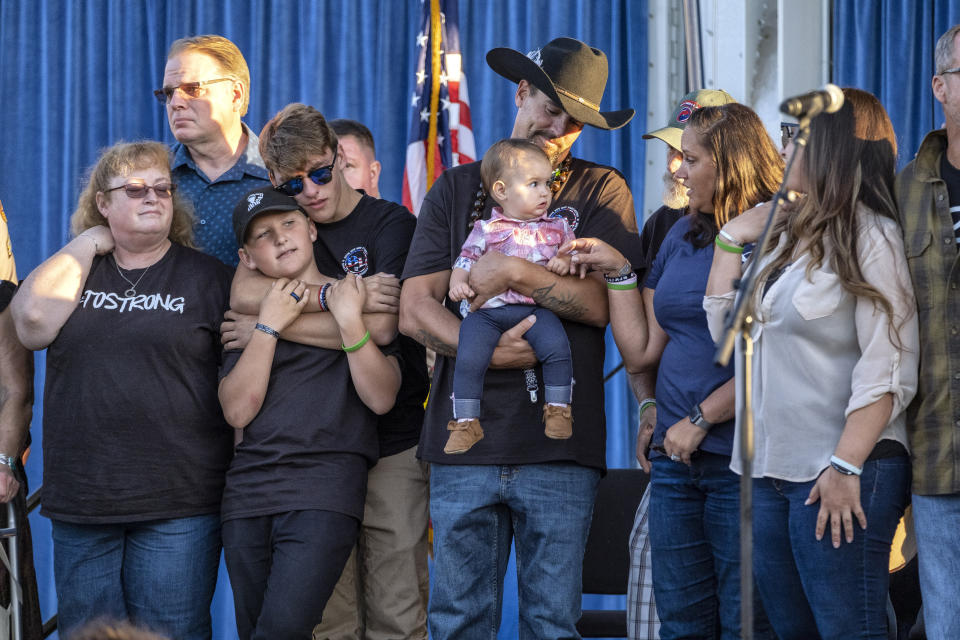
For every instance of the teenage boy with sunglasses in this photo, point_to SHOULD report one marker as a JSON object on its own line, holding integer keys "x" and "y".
{"x": 206, "y": 90}
{"x": 356, "y": 235}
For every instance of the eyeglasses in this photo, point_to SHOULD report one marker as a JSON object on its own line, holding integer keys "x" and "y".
{"x": 137, "y": 190}
{"x": 946, "y": 71}
{"x": 787, "y": 131}
{"x": 189, "y": 89}
{"x": 319, "y": 176}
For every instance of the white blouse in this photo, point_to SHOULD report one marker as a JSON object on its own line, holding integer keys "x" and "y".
{"x": 821, "y": 353}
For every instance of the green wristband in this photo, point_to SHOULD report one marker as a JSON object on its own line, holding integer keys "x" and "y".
{"x": 616, "y": 286}
{"x": 359, "y": 344}
{"x": 729, "y": 248}
{"x": 649, "y": 402}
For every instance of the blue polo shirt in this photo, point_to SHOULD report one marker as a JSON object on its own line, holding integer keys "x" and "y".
{"x": 686, "y": 375}
{"x": 213, "y": 202}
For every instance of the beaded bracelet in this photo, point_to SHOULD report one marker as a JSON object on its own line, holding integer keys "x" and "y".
{"x": 268, "y": 330}
{"x": 322, "y": 297}
{"x": 356, "y": 346}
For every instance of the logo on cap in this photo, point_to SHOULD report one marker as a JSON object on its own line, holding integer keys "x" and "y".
{"x": 254, "y": 199}
{"x": 687, "y": 107}
{"x": 536, "y": 57}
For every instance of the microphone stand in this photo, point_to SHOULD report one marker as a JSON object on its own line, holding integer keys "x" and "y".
{"x": 739, "y": 324}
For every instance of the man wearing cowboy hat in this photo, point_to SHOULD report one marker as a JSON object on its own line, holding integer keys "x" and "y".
{"x": 514, "y": 483}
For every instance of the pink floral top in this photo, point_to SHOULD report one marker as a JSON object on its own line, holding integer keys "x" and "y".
{"x": 534, "y": 240}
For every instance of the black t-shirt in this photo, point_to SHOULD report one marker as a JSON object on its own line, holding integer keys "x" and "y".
{"x": 132, "y": 427}
{"x": 310, "y": 445}
{"x": 596, "y": 203}
{"x": 375, "y": 238}
{"x": 654, "y": 231}
{"x": 951, "y": 176}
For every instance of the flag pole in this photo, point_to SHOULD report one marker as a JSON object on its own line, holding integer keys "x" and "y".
{"x": 435, "y": 64}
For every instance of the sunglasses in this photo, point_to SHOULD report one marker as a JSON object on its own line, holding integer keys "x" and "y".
{"x": 137, "y": 190}
{"x": 787, "y": 131}
{"x": 188, "y": 89}
{"x": 319, "y": 176}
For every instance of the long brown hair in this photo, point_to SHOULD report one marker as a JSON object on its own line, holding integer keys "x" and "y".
{"x": 849, "y": 160}
{"x": 749, "y": 168}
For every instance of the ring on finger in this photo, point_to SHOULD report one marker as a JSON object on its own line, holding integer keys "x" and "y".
{"x": 674, "y": 457}
{"x": 295, "y": 296}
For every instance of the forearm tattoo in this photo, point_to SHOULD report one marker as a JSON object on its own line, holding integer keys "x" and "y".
{"x": 439, "y": 346}
{"x": 566, "y": 306}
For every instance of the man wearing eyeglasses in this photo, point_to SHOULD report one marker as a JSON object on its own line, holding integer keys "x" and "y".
{"x": 928, "y": 194}
{"x": 206, "y": 90}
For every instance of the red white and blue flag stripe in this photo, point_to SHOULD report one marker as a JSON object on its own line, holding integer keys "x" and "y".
{"x": 441, "y": 135}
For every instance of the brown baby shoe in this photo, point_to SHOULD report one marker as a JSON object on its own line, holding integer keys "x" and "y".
{"x": 463, "y": 435}
{"x": 559, "y": 421}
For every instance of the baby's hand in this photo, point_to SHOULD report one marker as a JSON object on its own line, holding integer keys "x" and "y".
{"x": 559, "y": 264}
{"x": 461, "y": 291}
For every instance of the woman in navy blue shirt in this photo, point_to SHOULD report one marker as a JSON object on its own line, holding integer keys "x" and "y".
{"x": 729, "y": 165}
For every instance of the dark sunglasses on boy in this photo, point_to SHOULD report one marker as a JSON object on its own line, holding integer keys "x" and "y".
{"x": 319, "y": 176}
{"x": 138, "y": 190}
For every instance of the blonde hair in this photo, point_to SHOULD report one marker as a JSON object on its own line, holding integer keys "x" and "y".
{"x": 225, "y": 53}
{"x": 120, "y": 160}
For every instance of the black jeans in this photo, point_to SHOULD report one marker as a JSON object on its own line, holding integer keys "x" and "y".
{"x": 283, "y": 568}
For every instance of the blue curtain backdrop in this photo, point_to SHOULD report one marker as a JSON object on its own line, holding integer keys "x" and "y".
{"x": 886, "y": 47}
{"x": 77, "y": 75}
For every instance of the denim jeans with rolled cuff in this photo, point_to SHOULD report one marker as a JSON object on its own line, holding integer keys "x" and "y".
{"x": 480, "y": 332}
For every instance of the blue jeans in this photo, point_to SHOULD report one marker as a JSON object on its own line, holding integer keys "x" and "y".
{"x": 811, "y": 590}
{"x": 161, "y": 574}
{"x": 476, "y": 510}
{"x": 695, "y": 542}
{"x": 479, "y": 333}
{"x": 937, "y": 523}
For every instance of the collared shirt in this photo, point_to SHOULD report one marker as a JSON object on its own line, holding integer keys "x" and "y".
{"x": 536, "y": 241}
{"x": 934, "y": 417}
{"x": 213, "y": 202}
{"x": 822, "y": 353}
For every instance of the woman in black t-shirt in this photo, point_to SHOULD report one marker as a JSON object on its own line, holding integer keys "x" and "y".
{"x": 135, "y": 447}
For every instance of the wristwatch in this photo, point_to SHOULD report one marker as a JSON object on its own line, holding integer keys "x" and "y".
{"x": 9, "y": 461}
{"x": 696, "y": 417}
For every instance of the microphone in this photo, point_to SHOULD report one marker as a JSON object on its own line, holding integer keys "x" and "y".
{"x": 808, "y": 105}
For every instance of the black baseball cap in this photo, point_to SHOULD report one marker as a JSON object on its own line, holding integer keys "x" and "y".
{"x": 262, "y": 200}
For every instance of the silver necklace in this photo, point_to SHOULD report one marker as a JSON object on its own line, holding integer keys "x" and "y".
{"x": 132, "y": 291}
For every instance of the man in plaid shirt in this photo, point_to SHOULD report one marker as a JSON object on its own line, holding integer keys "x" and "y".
{"x": 928, "y": 194}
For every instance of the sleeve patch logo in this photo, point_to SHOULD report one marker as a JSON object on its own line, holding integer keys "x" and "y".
{"x": 356, "y": 261}
{"x": 571, "y": 215}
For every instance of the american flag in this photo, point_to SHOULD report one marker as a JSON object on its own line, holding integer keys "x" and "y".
{"x": 441, "y": 135}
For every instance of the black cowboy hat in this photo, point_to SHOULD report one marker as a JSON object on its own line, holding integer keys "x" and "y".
{"x": 570, "y": 72}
